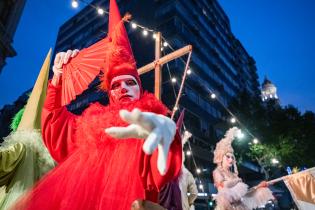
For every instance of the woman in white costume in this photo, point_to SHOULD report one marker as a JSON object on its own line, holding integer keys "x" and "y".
{"x": 233, "y": 193}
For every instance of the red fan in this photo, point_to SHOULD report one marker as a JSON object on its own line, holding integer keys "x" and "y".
{"x": 82, "y": 70}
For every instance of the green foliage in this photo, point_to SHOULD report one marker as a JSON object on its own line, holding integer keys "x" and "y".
{"x": 16, "y": 120}
{"x": 284, "y": 133}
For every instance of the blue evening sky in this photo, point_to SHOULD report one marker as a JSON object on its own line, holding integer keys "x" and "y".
{"x": 279, "y": 34}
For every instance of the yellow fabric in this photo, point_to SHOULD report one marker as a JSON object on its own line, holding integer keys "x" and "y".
{"x": 32, "y": 115}
{"x": 302, "y": 187}
{"x": 10, "y": 157}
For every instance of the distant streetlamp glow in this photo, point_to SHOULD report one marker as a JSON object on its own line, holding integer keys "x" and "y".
{"x": 274, "y": 161}
{"x": 240, "y": 134}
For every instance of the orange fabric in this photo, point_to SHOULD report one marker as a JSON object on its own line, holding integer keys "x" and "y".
{"x": 302, "y": 186}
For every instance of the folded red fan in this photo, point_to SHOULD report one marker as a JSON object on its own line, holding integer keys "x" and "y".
{"x": 82, "y": 69}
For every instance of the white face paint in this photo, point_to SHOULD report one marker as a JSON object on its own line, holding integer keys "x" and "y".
{"x": 124, "y": 88}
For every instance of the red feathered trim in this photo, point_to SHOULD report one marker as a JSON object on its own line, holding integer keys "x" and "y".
{"x": 97, "y": 117}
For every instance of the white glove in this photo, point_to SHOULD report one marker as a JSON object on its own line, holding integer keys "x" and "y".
{"x": 158, "y": 130}
{"x": 63, "y": 58}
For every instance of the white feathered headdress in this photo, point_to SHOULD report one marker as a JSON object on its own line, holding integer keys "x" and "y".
{"x": 225, "y": 145}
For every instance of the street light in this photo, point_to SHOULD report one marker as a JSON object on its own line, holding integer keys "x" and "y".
{"x": 240, "y": 134}
{"x": 274, "y": 161}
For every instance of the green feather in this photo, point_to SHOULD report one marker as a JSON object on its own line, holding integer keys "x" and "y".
{"x": 17, "y": 119}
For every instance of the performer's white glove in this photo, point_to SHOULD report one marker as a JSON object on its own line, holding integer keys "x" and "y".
{"x": 63, "y": 58}
{"x": 158, "y": 130}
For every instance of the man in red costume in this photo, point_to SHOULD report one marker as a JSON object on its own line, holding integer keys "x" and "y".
{"x": 110, "y": 155}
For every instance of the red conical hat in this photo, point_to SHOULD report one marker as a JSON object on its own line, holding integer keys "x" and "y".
{"x": 111, "y": 55}
{"x": 120, "y": 60}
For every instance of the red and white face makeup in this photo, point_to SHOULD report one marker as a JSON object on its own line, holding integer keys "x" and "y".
{"x": 124, "y": 88}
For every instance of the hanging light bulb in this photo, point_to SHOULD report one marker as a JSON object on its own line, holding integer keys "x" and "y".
{"x": 198, "y": 171}
{"x": 133, "y": 25}
{"x": 145, "y": 32}
{"x": 74, "y": 4}
{"x": 255, "y": 141}
{"x": 233, "y": 120}
{"x": 165, "y": 44}
{"x": 213, "y": 96}
{"x": 188, "y": 71}
{"x": 175, "y": 108}
{"x": 173, "y": 80}
{"x": 100, "y": 11}
{"x": 188, "y": 153}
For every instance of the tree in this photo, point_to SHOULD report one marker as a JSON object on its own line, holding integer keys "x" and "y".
{"x": 284, "y": 133}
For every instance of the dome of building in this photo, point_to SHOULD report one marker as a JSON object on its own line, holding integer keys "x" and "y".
{"x": 268, "y": 90}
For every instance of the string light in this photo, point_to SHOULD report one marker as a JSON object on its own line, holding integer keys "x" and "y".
{"x": 173, "y": 80}
{"x": 133, "y": 25}
{"x": 162, "y": 48}
{"x": 201, "y": 187}
{"x": 100, "y": 11}
{"x": 213, "y": 96}
{"x": 233, "y": 120}
{"x": 188, "y": 153}
{"x": 74, "y": 4}
{"x": 165, "y": 44}
{"x": 198, "y": 170}
{"x": 188, "y": 71}
{"x": 145, "y": 32}
{"x": 255, "y": 141}
{"x": 154, "y": 35}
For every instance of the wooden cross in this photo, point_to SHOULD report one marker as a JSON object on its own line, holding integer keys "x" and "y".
{"x": 157, "y": 64}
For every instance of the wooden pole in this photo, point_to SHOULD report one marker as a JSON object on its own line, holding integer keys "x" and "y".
{"x": 181, "y": 86}
{"x": 283, "y": 177}
{"x": 165, "y": 59}
{"x": 157, "y": 69}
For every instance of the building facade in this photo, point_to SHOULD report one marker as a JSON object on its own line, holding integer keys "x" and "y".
{"x": 220, "y": 64}
{"x": 10, "y": 13}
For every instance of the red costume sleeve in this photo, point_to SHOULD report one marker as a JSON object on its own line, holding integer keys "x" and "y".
{"x": 152, "y": 180}
{"x": 58, "y": 125}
